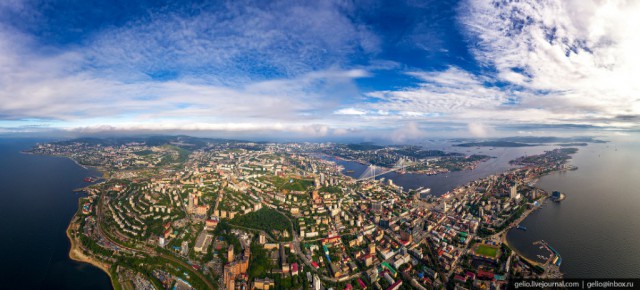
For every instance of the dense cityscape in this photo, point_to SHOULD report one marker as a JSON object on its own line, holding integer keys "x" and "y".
{"x": 319, "y": 144}
{"x": 183, "y": 212}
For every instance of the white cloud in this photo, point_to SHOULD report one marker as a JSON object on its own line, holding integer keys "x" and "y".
{"x": 479, "y": 129}
{"x": 350, "y": 111}
{"x": 275, "y": 66}
{"x": 410, "y": 131}
{"x": 281, "y": 67}
{"x": 449, "y": 93}
{"x": 237, "y": 42}
{"x": 316, "y": 130}
{"x": 56, "y": 88}
{"x": 582, "y": 54}
{"x": 556, "y": 63}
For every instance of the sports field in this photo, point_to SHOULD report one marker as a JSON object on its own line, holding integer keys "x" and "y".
{"x": 486, "y": 250}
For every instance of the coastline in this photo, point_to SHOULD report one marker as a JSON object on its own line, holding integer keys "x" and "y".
{"x": 516, "y": 251}
{"x": 100, "y": 170}
{"x": 505, "y": 240}
{"x": 78, "y": 163}
{"x": 76, "y": 253}
{"x": 85, "y": 167}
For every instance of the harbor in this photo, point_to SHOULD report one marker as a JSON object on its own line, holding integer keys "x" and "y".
{"x": 599, "y": 215}
{"x": 552, "y": 257}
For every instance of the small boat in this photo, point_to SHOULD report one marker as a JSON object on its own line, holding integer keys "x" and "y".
{"x": 521, "y": 227}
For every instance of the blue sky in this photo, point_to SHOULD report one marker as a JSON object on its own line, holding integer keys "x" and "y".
{"x": 400, "y": 70}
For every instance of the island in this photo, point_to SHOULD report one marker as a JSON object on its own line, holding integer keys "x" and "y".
{"x": 526, "y": 141}
{"x": 494, "y": 144}
{"x": 178, "y": 212}
{"x": 407, "y": 158}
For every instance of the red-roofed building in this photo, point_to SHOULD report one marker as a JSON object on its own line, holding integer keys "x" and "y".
{"x": 368, "y": 259}
{"x": 167, "y": 233}
{"x": 294, "y": 269}
{"x": 331, "y": 240}
{"x": 470, "y": 275}
{"x": 361, "y": 284}
{"x": 211, "y": 223}
{"x": 482, "y": 274}
{"x": 395, "y": 285}
{"x": 460, "y": 278}
{"x": 292, "y": 248}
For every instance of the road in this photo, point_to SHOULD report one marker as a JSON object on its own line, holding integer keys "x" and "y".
{"x": 497, "y": 236}
{"x": 296, "y": 245}
{"x": 146, "y": 251}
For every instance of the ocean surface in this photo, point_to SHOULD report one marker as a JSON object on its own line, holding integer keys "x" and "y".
{"x": 36, "y": 204}
{"x": 596, "y": 229}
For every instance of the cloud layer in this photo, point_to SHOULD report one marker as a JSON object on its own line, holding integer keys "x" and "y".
{"x": 323, "y": 68}
{"x": 577, "y": 58}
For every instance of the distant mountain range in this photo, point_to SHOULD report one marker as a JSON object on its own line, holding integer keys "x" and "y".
{"x": 527, "y": 141}
{"x": 183, "y": 141}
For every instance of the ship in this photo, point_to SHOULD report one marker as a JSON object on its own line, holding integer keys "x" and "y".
{"x": 424, "y": 190}
{"x": 424, "y": 193}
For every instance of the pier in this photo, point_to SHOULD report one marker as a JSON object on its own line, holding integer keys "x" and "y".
{"x": 552, "y": 263}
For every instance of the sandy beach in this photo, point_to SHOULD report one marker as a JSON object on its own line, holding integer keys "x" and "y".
{"x": 76, "y": 254}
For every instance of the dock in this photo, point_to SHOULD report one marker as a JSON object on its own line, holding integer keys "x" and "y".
{"x": 554, "y": 256}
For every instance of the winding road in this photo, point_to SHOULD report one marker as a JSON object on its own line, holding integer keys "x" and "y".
{"x": 146, "y": 251}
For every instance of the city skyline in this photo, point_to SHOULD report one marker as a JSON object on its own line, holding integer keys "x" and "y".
{"x": 319, "y": 69}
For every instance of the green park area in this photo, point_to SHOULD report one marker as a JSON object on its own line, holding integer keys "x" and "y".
{"x": 265, "y": 219}
{"x": 291, "y": 184}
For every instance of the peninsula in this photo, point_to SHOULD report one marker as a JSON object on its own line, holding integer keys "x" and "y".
{"x": 183, "y": 212}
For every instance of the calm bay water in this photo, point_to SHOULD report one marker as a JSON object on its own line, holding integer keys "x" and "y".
{"x": 596, "y": 229}
{"x": 36, "y": 205}
{"x": 441, "y": 183}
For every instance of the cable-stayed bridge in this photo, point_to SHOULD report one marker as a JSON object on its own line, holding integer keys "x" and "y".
{"x": 374, "y": 171}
